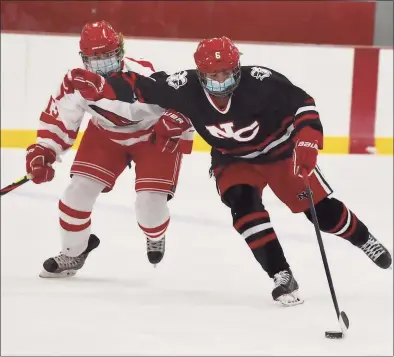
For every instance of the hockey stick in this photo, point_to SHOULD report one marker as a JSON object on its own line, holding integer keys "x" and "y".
{"x": 342, "y": 317}
{"x": 15, "y": 185}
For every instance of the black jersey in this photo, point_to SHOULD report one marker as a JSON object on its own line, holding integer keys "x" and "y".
{"x": 259, "y": 122}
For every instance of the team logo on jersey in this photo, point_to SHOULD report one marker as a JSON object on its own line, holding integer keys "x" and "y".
{"x": 112, "y": 117}
{"x": 225, "y": 131}
{"x": 177, "y": 80}
{"x": 260, "y": 73}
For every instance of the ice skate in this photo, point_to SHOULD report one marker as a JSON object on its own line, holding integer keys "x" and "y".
{"x": 376, "y": 251}
{"x": 286, "y": 289}
{"x": 155, "y": 250}
{"x": 63, "y": 266}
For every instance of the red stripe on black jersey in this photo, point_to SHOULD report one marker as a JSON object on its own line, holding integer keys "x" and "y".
{"x": 122, "y": 85}
{"x": 308, "y": 118}
{"x": 311, "y": 116}
{"x": 130, "y": 78}
{"x": 282, "y": 148}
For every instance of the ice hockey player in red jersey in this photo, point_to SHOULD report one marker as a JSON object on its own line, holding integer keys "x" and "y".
{"x": 119, "y": 131}
{"x": 264, "y": 131}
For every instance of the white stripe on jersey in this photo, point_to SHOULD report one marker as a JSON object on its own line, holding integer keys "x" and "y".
{"x": 306, "y": 109}
{"x": 269, "y": 147}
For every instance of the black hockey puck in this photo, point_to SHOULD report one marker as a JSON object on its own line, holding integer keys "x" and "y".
{"x": 334, "y": 335}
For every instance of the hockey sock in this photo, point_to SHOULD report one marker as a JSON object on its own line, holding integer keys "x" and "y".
{"x": 252, "y": 221}
{"x": 257, "y": 230}
{"x": 335, "y": 218}
{"x": 152, "y": 213}
{"x": 75, "y": 208}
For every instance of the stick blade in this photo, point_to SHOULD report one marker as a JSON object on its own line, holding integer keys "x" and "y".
{"x": 334, "y": 335}
{"x": 344, "y": 322}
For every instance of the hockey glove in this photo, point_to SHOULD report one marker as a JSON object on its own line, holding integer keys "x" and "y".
{"x": 168, "y": 130}
{"x": 39, "y": 160}
{"x": 307, "y": 143}
{"x": 92, "y": 86}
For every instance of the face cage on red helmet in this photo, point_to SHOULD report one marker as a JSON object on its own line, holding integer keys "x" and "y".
{"x": 104, "y": 64}
{"x": 223, "y": 90}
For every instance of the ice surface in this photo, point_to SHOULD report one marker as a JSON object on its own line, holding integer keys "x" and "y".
{"x": 208, "y": 296}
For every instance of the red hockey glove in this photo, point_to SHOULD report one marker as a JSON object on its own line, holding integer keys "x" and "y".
{"x": 168, "y": 130}
{"x": 39, "y": 160}
{"x": 92, "y": 86}
{"x": 307, "y": 143}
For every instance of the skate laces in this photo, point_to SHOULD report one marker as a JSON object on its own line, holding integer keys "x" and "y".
{"x": 155, "y": 245}
{"x": 282, "y": 278}
{"x": 65, "y": 262}
{"x": 372, "y": 248}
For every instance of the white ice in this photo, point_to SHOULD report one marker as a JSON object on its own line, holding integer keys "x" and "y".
{"x": 208, "y": 296}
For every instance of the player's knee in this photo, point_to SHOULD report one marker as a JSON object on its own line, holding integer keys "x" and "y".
{"x": 242, "y": 200}
{"x": 82, "y": 192}
{"x": 151, "y": 207}
{"x": 150, "y": 200}
{"x": 328, "y": 212}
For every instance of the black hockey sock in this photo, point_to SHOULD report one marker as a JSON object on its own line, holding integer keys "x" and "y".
{"x": 252, "y": 221}
{"x": 261, "y": 238}
{"x": 335, "y": 218}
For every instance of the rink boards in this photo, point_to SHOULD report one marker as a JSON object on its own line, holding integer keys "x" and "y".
{"x": 353, "y": 87}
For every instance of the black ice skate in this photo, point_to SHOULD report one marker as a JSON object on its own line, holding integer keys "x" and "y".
{"x": 286, "y": 289}
{"x": 376, "y": 252}
{"x": 155, "y": 250}
{"x": 63, "y": 266}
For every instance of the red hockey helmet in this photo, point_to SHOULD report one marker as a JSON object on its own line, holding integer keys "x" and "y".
{"x": 216, "y": 55}
{"x": 101, "y": 48}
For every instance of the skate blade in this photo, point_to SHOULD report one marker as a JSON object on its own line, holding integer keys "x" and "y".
{"x": 290, "y": 299}
{"x": 64, "y": 274}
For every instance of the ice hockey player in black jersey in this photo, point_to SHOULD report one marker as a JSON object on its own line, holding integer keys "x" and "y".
{"x": 264, "y": 131}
